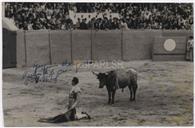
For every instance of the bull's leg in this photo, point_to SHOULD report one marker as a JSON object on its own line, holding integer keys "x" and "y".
{"x": 130, "y": 92}
{"x": 109, "y": 96}
{"x": 134, "y": 90}
{"x": 113, "y": 94}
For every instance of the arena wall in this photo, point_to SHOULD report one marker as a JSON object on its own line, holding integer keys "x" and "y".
{"x": 176, "y": 33}
{"x": 54, "y": 47}
{"x": 106, "y": 45}
{"x": 138, "y": 44}
{"x": 37, "y": 47}
{"x": 161, "y": 54}
{"x": 60, "y": 43}
{"x": 180, "y": 47}
{"x": 9, "y": 48}
{"x": 20, "y": 49}
{"x": 81, "y": 45}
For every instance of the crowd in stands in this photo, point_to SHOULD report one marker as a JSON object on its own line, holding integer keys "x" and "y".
{"x": 35, "y": 16}
{"x": 55, "y": 16}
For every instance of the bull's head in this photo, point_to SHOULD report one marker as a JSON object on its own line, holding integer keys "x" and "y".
{"x": 102, "y": 77}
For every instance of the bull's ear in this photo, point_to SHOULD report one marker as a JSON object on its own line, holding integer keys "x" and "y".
{"x": 94, "y": 73}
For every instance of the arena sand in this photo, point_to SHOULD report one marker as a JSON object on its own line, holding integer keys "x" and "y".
{"x": 164, "y": 97}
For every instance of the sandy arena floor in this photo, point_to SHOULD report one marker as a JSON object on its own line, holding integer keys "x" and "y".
{"x": 164, "y": 97}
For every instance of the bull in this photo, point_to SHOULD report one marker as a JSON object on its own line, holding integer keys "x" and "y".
{"x": 117, "y": 79}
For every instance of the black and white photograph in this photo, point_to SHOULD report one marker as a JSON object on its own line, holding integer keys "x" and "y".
{"x": 75, "y": 64}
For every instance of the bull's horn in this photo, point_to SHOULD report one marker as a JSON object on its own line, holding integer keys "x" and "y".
{"x": 94, "y": 73}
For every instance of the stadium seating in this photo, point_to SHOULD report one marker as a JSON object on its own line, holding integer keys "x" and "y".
{"x": 58, "y": 16}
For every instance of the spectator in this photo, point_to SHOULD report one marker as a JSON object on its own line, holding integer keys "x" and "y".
{"x": 83, "y": 24}
{"x": 124, "y": 25}
{"x": 78, "y": 23}
{"x": 189, "y": 49}
{"x": 133, "y": 15}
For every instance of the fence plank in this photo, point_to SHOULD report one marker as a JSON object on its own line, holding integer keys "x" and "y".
{"x": 60, "y": 46}
{"x": 81, "y": 45}
{"x": 37, "y": 49}
{"x": 106, "y": 45}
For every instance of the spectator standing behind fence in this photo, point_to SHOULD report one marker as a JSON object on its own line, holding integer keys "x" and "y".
{"x": 189, "y": 49}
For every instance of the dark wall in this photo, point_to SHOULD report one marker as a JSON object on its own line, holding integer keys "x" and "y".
{"x": 9, "y": 49}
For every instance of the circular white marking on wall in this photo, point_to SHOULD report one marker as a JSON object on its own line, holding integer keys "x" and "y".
{"x": 169, "y": 45}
